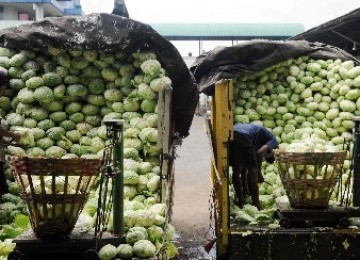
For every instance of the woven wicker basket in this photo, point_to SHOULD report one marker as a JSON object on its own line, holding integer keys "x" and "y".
{"x": 309, "y": 178}
{"x": 55, "y": 191}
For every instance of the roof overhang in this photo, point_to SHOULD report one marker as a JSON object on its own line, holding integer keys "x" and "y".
{"x": 227, "y": 31}
{"x": 342, "y": 32}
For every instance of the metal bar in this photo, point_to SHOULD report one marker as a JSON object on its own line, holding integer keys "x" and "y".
{"x": 164, "y": 123}
{"x": 118, "y": 189}
{"x": 165, "y": 140}
{"x": 215, "y": 174}
{"x": 356, "y": 164}
{"x": 222, "y": 122}
{"x": 347, "y": 38}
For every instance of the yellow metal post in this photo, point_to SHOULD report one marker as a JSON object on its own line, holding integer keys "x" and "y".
{"x": 222, "y": 129}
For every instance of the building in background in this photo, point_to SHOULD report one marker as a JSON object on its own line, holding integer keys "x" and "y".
{"x": 16, "y": 12}
{"x": 192, "y": 39}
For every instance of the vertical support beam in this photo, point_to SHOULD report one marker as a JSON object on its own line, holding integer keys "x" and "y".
{"x": 201, "y": 47}
{"x": 39, "y": 11}
{"x": 356, "y": 163}
{"x": 114, "y": 130}
{"x": 222, "y": 122}
{"x": 118, "y": 189}
{"x": 165, "y": 130}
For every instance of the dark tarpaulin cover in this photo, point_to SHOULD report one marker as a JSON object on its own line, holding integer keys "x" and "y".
{"x": 112, "y": 33}
{"x": 255, "y": 55}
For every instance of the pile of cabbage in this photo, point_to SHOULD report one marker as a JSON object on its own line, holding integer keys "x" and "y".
{"x": 62, "y": 97}
{"x": 312, "y": 100}
{"x": 58, "y": 99}
{"x": 148, "y": 233}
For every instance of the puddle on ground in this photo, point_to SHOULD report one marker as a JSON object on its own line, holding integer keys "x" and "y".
{"x": 196, "y": 253}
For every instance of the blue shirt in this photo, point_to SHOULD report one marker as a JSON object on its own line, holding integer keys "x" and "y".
{"x": 256, "y": 135}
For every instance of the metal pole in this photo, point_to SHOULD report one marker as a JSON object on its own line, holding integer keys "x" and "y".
{"x": 118, "y": 183}
{"x": 118, "y": 195}
{"x": 356, "y": 163}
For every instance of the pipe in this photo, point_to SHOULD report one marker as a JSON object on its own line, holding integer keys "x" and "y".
{"x": 116, "y": 132}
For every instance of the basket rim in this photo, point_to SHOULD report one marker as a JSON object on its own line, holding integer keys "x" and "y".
{"x": 14, "y": 157}
{"x": 277, "y": 151}
{"x": 311, "y": 181}
{"x": 311, "y": 158}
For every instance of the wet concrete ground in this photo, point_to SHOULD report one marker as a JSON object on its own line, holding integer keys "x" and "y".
{"x": 191, "y": 214}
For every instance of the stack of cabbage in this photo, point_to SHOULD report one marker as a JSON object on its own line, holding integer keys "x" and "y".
{"x": 296, "y": 98}
{"x": 59, "y": 98}
{"x": 63, "y": 96}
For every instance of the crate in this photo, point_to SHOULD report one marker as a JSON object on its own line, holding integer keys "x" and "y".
{"x": 309, "y": 178}
{"x": 55, "y": 191}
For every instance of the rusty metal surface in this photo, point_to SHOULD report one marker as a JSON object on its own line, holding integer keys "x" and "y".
{"x": 28, "y": 246}
{"x": 330, "y": 217}
{"x": 315, "y": 243}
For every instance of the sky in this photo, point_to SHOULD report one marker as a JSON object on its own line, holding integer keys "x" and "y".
{"x": 310, "y": 13}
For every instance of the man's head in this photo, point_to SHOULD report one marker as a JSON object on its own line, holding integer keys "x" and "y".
{"x": 4, "y": 82}
{"x": 269, "y": 156}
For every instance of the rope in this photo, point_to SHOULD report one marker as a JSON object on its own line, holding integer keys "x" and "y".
{"x": 105, "y": 199}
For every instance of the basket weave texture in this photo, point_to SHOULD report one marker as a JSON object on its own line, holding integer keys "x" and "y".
{"x": 309, "y": 178}
{"x": 55, "y": 191}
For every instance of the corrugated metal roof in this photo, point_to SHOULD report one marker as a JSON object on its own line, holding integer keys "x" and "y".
{"x": 342, "y": 32}
{"x": 227, "y": 30}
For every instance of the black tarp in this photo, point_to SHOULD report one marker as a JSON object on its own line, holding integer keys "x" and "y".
{"x": 256, "y": 55}
{"x": 342, "y": 32}
{"x": 112, "y": 33}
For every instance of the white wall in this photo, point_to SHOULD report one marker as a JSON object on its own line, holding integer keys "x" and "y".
{"x": 189, "y": 60}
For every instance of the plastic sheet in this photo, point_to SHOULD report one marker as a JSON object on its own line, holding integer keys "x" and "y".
{"x": 253, "y": 56}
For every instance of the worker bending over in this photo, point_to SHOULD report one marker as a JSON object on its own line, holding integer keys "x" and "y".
{"x": 252, "y": 143}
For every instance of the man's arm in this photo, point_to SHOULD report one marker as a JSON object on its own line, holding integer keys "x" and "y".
{"x": 272, "y": 142}
{"x": 263, "y": 150}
